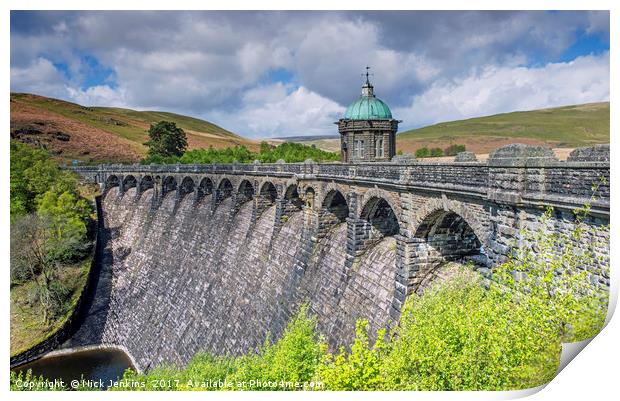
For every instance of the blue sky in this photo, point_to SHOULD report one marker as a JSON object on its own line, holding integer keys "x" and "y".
{"x": 264, "y": 74}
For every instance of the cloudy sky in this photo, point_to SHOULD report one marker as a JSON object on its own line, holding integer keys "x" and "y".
{"x": 264, "y": 74}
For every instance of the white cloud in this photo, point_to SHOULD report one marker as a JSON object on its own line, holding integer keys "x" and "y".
{"x": 98, "y": 95}
{"x": 40, "y": 77}
{"x": 275, "y": 110}
{"x": 503, "y": 89}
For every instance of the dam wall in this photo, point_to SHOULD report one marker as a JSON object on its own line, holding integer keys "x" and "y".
{"x": 217, "y": 258}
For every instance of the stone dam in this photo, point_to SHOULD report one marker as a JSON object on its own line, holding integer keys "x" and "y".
{"x": 217, "y": 257}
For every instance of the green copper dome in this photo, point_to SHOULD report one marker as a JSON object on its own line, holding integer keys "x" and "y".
{"x": 368, "y": 108}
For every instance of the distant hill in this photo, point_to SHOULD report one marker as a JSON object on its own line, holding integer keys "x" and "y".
{"x": 560, "y": 127}
{"x": 103, "y": 134}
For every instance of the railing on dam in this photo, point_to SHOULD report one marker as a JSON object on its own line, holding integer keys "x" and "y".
{"x": 514, "y": 174}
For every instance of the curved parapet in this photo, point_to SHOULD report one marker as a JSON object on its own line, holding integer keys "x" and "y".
{"x": 596, "y": 153}
{"x": 520, "y": 155}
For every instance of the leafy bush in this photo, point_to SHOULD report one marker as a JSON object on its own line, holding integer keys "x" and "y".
{"x": 436, "y": 152}
{"x": 290, "y": 152}
{"x": 422, "y": 153}
{"x": 292, "y": 359}
{"x": 361, "y": 369}
{"x": 556, "y": 275}
{"x": 454, "y": 149}
{"x": 461, "y": 336}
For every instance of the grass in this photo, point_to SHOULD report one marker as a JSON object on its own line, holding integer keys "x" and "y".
{"x": 27, "y": 326}
{"x": 132, "y": 125}
{"x": 569, "y": 126}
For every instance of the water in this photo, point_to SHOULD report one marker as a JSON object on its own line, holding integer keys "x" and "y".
{"x": 100, "y": 364}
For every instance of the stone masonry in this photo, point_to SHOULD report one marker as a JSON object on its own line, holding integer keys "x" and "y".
{"x": 215, "y": 257}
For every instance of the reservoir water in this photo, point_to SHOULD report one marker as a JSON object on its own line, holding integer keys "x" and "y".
{"x": 99, "y": 364}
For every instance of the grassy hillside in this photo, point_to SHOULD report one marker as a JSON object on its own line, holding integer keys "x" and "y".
{"x": 566, "y": 127}
{"x": 96, "y": 134}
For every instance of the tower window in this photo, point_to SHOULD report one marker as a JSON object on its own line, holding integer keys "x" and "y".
{"x": 359, "y": 148}
{"x": 379, "y": 147}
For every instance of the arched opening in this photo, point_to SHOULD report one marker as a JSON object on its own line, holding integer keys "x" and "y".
{"x": 111, "y": 181}
{"x": 204, "y": 188}
{"x": 146, "y": 183}
{"x": 292, "y": 197}
{"x": 168, "y": 185}
{"x": 444, "y": 236}
{"x": 187, "y": 186}
{"x": 129, "y": 182}
{"x": 378, "y": 212}
{"x": 309, "y": 196}
{"x": 268, "y": 192}
{"x": 335, "y": 206}
{"x": 224, "y": 189}
{"x": 245, "y": 192}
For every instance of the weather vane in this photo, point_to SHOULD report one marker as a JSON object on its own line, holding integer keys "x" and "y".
{"x": 367, "y": 74}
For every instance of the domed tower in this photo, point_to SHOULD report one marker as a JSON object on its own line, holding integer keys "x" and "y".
{"x": 367, "y": 131}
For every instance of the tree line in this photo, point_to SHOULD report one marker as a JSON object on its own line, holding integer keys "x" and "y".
{"x": 50, "y": 222}
{"x": 168, "y": 145}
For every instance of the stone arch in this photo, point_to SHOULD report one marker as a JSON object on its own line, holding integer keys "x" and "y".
{"x": 335, "y": 203}
{"x": 329, "y": 190}
{"x": 390, "y": 198}
{"x": 168, "y": 185}
{"x": 224, "y": 189}
{"x": 459, "y": 208}
{"x": 381, "y": 216}
{"x": 291, "y": 195}
{"x": 112, "y": 181}
{"x": 269, "y": 192}
{"x": 441, "y": 235}
{"x": 205, "y": 187}
{"x": 146, "y": 182}
{"x": 309, "y": 197}
{"x": 187, "y": 186}
{"x": 129, "y": 181}
{"x": 245, "y": 191}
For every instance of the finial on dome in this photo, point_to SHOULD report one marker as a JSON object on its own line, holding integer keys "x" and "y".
{"x": 367, "y": 89}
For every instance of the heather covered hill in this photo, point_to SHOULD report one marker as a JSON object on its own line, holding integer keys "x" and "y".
{"x": 103, "y": 134}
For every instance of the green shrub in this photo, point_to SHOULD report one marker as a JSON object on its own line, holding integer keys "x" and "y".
{"x": 359, "y": 369}
{"x": 436, "y": 152}
{"x": 461, "y": 336}
{"x": 422, "y": 152}
{"x": 454, "y": 149}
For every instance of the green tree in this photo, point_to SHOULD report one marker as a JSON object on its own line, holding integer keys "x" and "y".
{"x": 33, "y": 259}
{"x": 436, "y": 152}
{"x": 454, "y": 149}
{"x": 422, "y": 153}
{"x": 166, "y": 139}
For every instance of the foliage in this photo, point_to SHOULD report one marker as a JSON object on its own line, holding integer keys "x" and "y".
{"x": 361, "y": 369}
{"x": 292, "y": 359}
{"x": 422, "y": 153}
{"x": 290, "y": 152}
{"x": 425, "y": 152}
{"x": 166, "y": 139}
{"x": 21, "y": 381}
{"x": 454, "y": 149}
{"x": 66, "y": 214}
{"x": 461, "y": 336}
{"x": 49, "y": 221}
{"x": 436, "y": 152}
{"x": 555, "y": 269}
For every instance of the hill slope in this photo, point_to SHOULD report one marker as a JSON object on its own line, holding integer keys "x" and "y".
{"x": 103, "y": 134}
{"x": 565, "y": 127}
